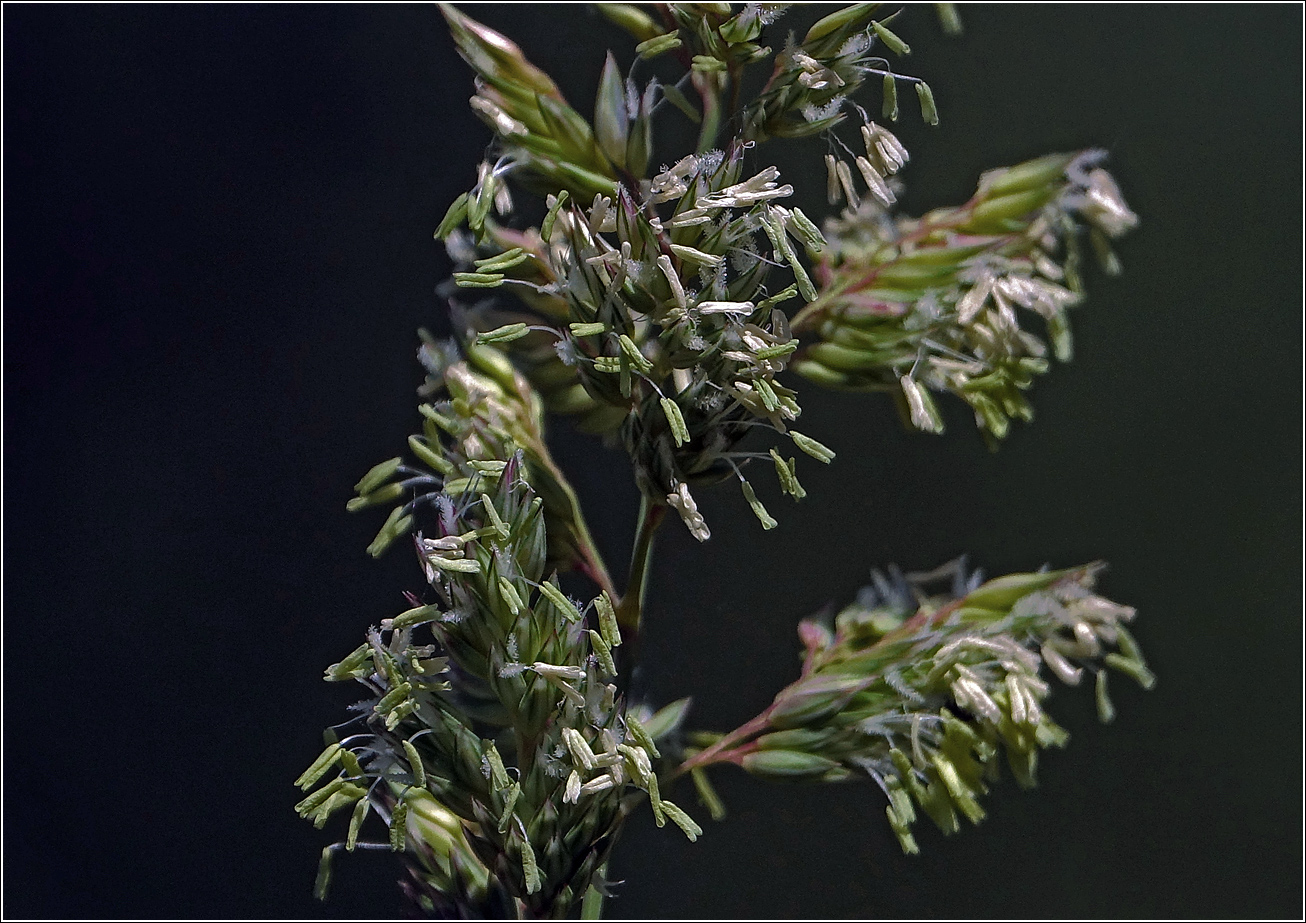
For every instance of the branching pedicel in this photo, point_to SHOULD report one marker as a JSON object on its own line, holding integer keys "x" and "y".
{"x": 497, "y": 744}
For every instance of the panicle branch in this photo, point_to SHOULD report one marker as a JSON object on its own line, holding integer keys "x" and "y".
{"x": 922, "y": 691}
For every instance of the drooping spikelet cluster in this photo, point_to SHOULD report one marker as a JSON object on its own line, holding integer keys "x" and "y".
{"x": 923, "y": 693}
{"x": 914, "y": 306}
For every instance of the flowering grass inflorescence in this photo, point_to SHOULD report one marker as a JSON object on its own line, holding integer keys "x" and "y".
{"x": 922, "y": 692}
{"x": 663, "y": 309}
{"x": 505, "y": 760}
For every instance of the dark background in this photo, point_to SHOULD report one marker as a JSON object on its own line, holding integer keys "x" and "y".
{"x": 217, "y": 248}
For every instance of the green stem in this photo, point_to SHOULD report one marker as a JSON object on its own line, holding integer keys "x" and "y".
{"x": 736, "y": 84}
{"x": 591, "y": 907}
{"x": 630, "y": 610}
{"x": 591, "y": 561}
{"x": 711, "y": 98}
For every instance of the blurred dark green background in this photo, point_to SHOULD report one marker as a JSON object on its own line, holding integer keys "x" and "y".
{"x": 217, "y": 242}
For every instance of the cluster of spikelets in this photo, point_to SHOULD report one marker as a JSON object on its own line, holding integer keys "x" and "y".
{"x": 677, "y": 350}
{"x": 647, "y": 306}
{"x": 660, "y": 310}
{"x": 912, "y": 306}
{"x": 550, "y": 146}
{"x": 923, "y": 693}
{"x": 502, "y": 762}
